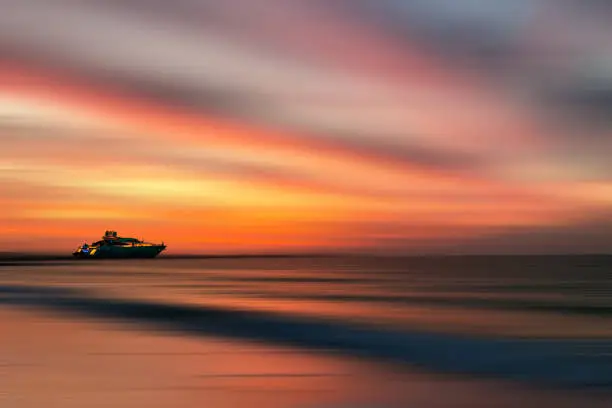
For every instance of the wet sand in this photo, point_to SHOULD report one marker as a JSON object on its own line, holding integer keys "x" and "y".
{"x": 53, "y": 361}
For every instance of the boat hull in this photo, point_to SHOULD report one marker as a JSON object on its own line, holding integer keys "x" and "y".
{"x": 117, "y": 252}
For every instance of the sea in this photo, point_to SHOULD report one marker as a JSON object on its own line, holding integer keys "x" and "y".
{"x": 307, "y": 332}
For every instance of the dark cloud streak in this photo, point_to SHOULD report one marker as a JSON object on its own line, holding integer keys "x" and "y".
{"x": 247, "y": 108}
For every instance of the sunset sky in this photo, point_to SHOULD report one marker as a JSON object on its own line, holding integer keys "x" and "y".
{"x": 240, "y": 126}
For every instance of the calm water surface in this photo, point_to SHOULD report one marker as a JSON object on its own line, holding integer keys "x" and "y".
{"x": 307, "y": 332}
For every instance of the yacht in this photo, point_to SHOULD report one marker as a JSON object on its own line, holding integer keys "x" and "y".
{"x": 113, "y": 246}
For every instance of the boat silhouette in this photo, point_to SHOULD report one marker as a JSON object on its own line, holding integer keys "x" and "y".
{"x": 113, "y": 246}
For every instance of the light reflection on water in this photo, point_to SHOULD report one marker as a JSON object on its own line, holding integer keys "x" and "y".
{"x": 270, "y": 363}
{"x": 558, "y": 300}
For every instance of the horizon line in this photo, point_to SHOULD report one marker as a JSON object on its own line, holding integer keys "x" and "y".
{"x": 25, "y": 256}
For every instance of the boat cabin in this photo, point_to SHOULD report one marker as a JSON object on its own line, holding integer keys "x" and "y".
{"x": 111, "y": 238}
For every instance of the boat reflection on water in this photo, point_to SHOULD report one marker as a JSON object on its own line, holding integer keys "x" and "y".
{"x": 113, "y": 246}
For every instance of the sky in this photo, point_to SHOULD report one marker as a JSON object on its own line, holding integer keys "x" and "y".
{"x": 258, "y": 126}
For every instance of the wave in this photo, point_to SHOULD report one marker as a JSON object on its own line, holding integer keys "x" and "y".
{"x": 565, "y": 307}
{"x": 574, "y": 363}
